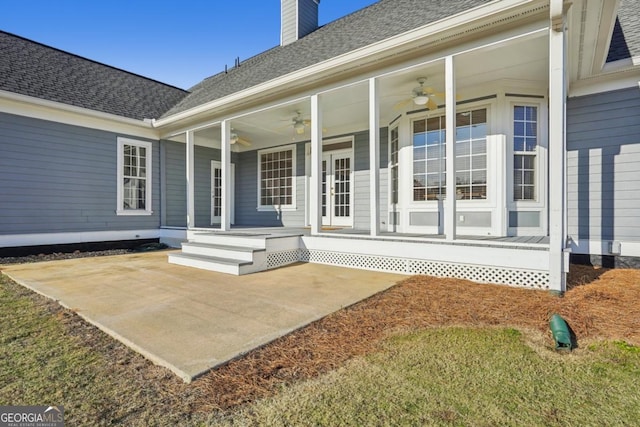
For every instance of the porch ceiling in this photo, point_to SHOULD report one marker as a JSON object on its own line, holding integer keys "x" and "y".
{"x": 520, "y": 65}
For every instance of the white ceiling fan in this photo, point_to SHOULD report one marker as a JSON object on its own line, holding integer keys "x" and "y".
{"x": 421, "y": 95}
{"x": 298, "y": 124}
{"x": 235, "y": 138}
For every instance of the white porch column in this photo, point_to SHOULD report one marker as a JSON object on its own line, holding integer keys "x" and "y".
{"x": 497, "y": 149}
{"x": 557, "y": 148}
{"x": 315, "y": 199}
{"x": 450, "y": 111}
{"x": 191, "y": 205}
{"x": 374, "y": 156}
{"x": 225, "y": 163}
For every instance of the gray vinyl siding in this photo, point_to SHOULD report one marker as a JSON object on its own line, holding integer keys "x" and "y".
{"x": 297, "y": 21}
{"x": 176, "y": 183}
{"x": 202, "y": 187}
{"x": 307, "y": 17}
{"x": 247, "y": 193}
{"x": 603, "y": 166}
{"x": 247, "y": 187}
{"x": 361, "y": 208}
{"x": 288, "y": 22}
{"x": 175, "y": 170}
{"x": 59, "y": 178}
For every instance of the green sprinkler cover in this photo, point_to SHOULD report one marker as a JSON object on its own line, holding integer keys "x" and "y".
{"x": 560, "y": 331}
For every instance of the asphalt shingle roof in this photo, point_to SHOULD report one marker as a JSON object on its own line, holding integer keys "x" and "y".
{"x": 33, "y": 69}
{"x": 374, "y": 23}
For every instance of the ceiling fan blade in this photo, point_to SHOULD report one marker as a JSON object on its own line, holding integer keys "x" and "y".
{"x": 431, "y": 104}
{"x": 244, "y": 142}
{"x": 442, "y": 95}
{"x": 400, "y": 105}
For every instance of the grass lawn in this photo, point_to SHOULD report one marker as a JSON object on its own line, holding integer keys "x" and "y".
{"x": 465, "y": 376}
{"x": 438, "y": 359}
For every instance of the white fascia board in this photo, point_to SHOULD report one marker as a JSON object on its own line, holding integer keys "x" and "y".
{"x": 606, "y": 83}
{"x": 391, "y": 44}
{"x": 608, "y": 18}
{"x": 28, "y": 106}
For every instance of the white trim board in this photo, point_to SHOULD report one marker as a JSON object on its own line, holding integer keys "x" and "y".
{"x": 601, "y": 247}
{"x": 36, "y": 108}
{"x": 148, "y": 177}
{"x": 38, "y": 239}
{"x": 504, "y": 257}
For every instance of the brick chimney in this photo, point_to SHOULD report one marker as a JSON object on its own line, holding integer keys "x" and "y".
{"x": 297, "y": 19}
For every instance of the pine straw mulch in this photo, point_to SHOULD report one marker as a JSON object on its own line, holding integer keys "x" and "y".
{"x": 600, "y": 304}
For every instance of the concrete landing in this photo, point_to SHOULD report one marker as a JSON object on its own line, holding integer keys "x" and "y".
{"x": 191, "y": 320}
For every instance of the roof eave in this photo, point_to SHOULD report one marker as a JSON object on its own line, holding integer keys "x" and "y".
{"x": 29, "y": 106}
{"x": 302, "y": 76}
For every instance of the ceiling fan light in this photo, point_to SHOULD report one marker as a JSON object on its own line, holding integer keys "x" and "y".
{"x": 299, "y": 128}
{"x": 234, "y": 138}
{"x": 420, "y": 99}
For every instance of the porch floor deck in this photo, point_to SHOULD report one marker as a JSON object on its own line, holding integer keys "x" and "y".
{"x": 529, "y": 241}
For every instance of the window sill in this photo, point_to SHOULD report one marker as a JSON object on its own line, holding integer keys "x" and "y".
{"x": 134, "y": 213}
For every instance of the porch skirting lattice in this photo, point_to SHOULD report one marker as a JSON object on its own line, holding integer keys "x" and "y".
{"x": 476, "y": 273}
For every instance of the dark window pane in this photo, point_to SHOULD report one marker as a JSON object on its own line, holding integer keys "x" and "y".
{"x": 463, "y": 119}
{"x": 532, "y": 114}
{"x": 479, "y": 192}
{"x": 518, "y": 143}
{"x": 479, "y": 116}
{"x": 519, "y": 113}
{"x": 434, "y": 124}
{"x": 528, "y": 193}
{"x": 518, "y": 129}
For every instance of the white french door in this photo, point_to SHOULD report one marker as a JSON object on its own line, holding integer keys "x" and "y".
{"x": 337, "y": 188}
{"x": 216, "y": 192}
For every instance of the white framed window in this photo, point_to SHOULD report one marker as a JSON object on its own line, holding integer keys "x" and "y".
{"x": 471, "y": 154}
{"x": 429, "y": 156}
{"x": 134, "y": 177}
{"x": 277, "y": 178}
{"x": 525, "y": 151}
{"x": 394, "y": 149}
{"x": 429, "y": 161}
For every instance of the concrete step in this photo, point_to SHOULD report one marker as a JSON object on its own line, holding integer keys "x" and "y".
{"x": 242, "y": 253}
{"x": 211, "y": 263}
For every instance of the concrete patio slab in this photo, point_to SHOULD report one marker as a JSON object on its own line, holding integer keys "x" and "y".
{"x": 191, "y": 320}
